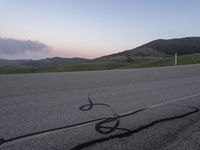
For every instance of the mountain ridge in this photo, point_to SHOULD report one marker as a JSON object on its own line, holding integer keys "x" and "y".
{"x": 46, "y": 62}
{"x": 156, "y": 49}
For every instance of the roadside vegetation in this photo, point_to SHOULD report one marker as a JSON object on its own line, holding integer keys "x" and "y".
{"x": 107, "y": 65}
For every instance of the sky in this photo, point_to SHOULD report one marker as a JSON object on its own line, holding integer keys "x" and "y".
{"x": 91, "y": 28}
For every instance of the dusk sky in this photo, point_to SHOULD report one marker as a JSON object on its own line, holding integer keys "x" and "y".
{"x": 91, "y": 28}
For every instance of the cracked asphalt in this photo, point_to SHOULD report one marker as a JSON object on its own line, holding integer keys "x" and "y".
{"x": 33, "y": 103}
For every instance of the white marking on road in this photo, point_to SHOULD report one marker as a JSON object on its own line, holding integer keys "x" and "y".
{"x": 173, "y": 101}
{"x": 164, "y": 103}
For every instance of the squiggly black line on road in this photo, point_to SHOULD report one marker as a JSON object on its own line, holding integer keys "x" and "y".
{"x": 101, "y": 127}
{"x": 4, "y": 141}
{"x": 127, "y": 134}
{"x": 101, "y": 122}
{"x": 89, "y": 106}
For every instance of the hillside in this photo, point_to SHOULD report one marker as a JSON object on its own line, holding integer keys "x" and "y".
{"x": 158, "y": 49}
{"x": 13, "y": 63}
{"x": 41, "y": 63}
{"x": 49, "y": 62}
{"x": 153, "y": 54}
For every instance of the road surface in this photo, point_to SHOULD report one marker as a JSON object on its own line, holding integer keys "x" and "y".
{"x": 155, "y": 108}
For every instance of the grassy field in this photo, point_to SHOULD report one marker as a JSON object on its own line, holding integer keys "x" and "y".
{"x": 11, "y": 70}
{"x": 168, "y": 61}
{"x": 92, "y": 66}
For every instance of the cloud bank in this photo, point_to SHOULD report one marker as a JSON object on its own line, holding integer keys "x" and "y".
{"x": 23, "y": 49}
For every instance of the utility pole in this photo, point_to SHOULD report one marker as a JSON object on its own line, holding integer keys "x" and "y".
{"x": 176, "y": 60}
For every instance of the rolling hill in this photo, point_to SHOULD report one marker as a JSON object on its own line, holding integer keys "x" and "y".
{"x": 158, "y": 49}
{"x": 12, "y": 63}
{"x": 153, "y": 54}
{"x": 50, "y": 62}
{"x": 47, "y": 62}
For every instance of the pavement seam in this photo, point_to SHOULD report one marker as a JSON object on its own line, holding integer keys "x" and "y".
{"x": 104, "y": 120}
{"x": 139, "y": 129}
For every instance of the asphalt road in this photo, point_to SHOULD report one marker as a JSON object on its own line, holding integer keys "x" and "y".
{"x": 140, "y": 109}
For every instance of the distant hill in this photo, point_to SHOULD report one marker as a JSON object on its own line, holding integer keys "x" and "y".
{"x": 158, "y": 49}
{"x": 153, "y": 50}
{"x": 12, "y": 63}
{"x": 48, "y": 62}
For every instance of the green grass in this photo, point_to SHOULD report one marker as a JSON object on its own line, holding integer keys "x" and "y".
{"x": 12, "y": 70}
{"x": 151, "y": 63}
{"x": 92, "y": 66}
{"x": 168, "y": 61}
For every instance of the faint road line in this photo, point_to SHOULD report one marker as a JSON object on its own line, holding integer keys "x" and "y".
{"x": 86, "y": 123}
